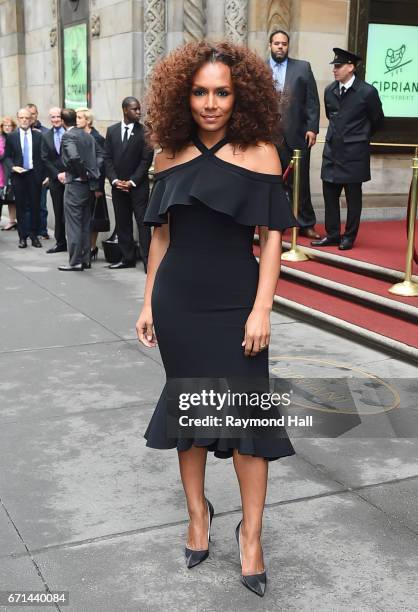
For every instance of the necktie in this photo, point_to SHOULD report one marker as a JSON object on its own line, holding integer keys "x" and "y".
{"x": 26, "y": 160}
{"x": 57, "y": 140}
{"x": 280, "y": 75}
{"x": 343, "y": 90}
{"x": 125, "y": 137}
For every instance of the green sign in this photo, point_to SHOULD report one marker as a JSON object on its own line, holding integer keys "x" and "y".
{"x": 75, "y": 66}
{"x": 392, "y": 67}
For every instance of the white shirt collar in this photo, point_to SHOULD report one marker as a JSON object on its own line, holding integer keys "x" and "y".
{"x": 348, "y": 84}
{"x": 130, "y": 127}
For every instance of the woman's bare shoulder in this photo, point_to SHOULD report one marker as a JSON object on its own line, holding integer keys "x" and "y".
{"x": 164, "y": 158}
{"x": 260, "y": 157}
{"x": 265, "y": 158}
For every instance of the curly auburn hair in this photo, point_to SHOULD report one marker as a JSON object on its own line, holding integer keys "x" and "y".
{"x": 255, "y": 117}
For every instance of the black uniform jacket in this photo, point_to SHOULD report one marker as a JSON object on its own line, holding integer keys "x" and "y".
{"x": 353, "y": 119}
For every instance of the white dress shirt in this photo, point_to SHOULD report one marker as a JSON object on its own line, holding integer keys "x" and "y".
{"x": 348, "y": 84}
{"x": 22, "y": 140}
{"x": 124, "y": 125}
{"x": 130, "y": 127}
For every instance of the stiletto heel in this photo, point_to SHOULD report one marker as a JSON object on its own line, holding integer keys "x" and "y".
{"x": 194, "y": 557}
{"x": 254, "y": 582}
{"x": 93, "y": 253}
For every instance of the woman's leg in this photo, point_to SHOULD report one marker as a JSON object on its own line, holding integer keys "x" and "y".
{"x": 93, "y": 239}
{"x": 192, "y": 470}
{"x": 12, "y": 213}
{"x": 252, "y": 477}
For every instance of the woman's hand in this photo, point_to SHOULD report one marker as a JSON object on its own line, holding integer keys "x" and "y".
{"x": 257, "y": 332}
{"x": 145, "y": 329}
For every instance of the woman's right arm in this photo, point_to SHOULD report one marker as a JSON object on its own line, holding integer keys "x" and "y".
{"x": 159, "y": 244}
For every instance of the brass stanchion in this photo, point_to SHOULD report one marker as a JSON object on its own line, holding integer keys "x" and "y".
{"x": 295, "y": 254}
{"x": 408, "y": 288}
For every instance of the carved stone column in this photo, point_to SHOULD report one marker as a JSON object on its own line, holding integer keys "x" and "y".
{"x": 278, "y": 15}
{"x": 154, "y": 38}
{"x": 194, "y": 20}
{"x": 236, "y": 21}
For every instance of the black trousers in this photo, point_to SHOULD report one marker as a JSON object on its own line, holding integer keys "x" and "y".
{"x": 353, "y": 194}
{"x": 57, "y": 195}
{"x": 306, "y": 216}
{"x": 27, "y": 188}
{"x": 125, "y": 204}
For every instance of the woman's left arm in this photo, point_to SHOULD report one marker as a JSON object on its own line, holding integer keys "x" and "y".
{"x": 265, "y": 159}
{"x": 257, "y": 327}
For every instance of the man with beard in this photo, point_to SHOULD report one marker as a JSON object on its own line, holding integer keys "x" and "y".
{"x": 300, "y": 116}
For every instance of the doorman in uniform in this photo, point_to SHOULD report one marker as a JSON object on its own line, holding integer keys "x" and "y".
{"x": 354, "y": 111}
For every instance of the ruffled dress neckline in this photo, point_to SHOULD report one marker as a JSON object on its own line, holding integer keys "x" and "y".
{"x": 250, "y": 198}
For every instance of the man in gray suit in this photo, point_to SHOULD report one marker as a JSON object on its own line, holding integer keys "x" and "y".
{"x": 300, "y": 110}
{"x": 82, "y": 161}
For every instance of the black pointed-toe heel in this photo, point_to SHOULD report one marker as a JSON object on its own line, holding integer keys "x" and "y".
{"x": 194, "y": 557}
{"x": 93, "y": 253}
{"x": 254, "y": 582}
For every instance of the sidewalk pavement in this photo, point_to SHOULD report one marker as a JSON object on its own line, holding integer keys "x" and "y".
{"x": 87, "y": 508}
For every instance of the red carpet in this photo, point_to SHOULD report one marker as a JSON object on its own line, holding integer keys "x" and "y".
{"x": 382, "y": 243}
{"x": 353, "y": 279}
{"x": 342, "y": 308}
{"x": 379, "y": 242}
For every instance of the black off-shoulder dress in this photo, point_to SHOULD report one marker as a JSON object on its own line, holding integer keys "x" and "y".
{"x": 206, "y": 284}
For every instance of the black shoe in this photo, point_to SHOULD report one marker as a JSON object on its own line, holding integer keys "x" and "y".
{"x": 76, "y": 268}
{"x": 86, "y": 266}
{"x": 194, "y": 557}
{"x": 122, "y": 264}
{"x": 326, "y": 241}
{"x": 93, "y": 253}
{"x": 57, "y": 249}
{"x": 23, "y": 243}
{"x": 35, "y": 242}
{"x": 254, "y": 582}
{"x": 346, "y": 244}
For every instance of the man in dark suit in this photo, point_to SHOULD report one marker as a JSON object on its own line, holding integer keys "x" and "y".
{"x": 51, "y": 157}
{"x": 24, "y": 163}
{"x": 354, "y": 111}
{"x": 300, "y": 119}
{"x": 82, "y": 161}
{"x": 127, "y": 161}
{"x": 43, "y": 209}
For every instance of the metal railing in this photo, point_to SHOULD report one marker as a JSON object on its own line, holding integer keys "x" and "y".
{"x": 407, "y": 288}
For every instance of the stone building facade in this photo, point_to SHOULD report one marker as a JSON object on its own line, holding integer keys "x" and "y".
{"x": 127, "y": 37}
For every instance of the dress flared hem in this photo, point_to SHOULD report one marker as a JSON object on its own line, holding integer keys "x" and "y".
{"x": 223, "y": 448}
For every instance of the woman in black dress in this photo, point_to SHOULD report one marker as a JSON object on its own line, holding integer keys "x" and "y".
{"x": 213, "y": 110}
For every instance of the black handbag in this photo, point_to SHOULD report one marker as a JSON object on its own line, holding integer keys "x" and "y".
{"x": 7, "y": 193}
{"x": 100, "y": 216}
